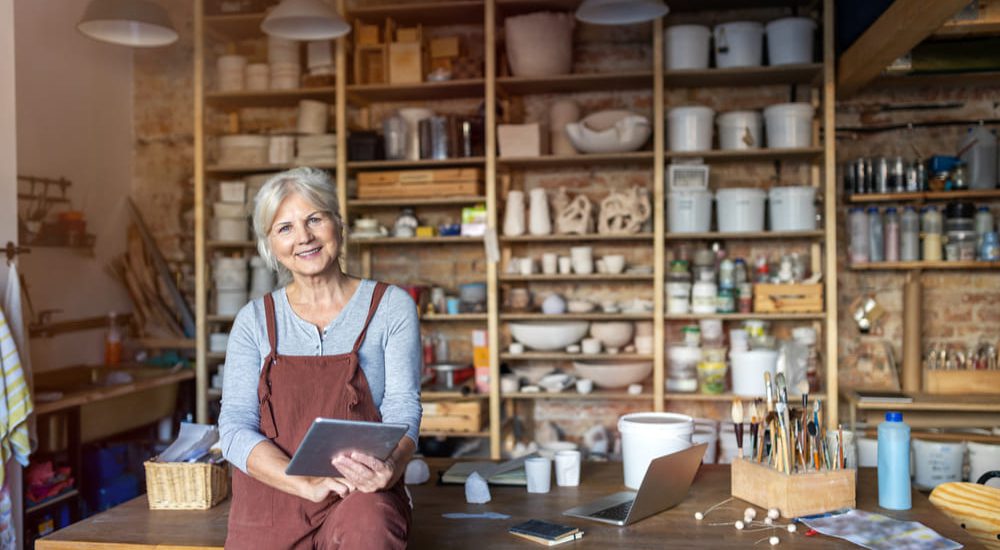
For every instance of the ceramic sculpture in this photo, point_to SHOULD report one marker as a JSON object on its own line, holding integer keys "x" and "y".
{"x": 576, "y": 217}
{"x": 624, "y": 212}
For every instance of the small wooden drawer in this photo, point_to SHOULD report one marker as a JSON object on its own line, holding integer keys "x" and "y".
{"x": 957, "y": 382}
{"x": 790, "y": 298}
{"x": 412, "y": 184}
{"x": 454, "y": 416}
{"x": 794, "y": 495}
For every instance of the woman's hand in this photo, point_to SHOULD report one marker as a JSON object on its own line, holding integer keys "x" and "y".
{"x": 318, "y": 489}
{"x": 366, "y": 473}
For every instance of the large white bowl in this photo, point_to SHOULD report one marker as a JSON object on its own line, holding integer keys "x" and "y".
{"x": 613, "y": 131}
{"x": 549, "y": 336}
{"x": 614, "y": 374}
{"x": 613, "y": 334}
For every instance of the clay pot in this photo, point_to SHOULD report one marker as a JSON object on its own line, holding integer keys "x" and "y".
{"x": 539, "y": 44}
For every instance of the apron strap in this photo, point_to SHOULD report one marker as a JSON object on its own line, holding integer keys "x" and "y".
{"x": 353, "y": 392}
{"x": 379, "y": 291}
{"x": 268, "y": 426}
{"x": 272, "y": 330}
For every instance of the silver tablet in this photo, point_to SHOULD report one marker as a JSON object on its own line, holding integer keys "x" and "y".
{"x": 328, "y": 437}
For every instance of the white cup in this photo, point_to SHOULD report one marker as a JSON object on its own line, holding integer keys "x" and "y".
{"x": 565, "y": 265}
{"x": 584, "y": 385}
{"x": 527, "y": 266}
{"x": 516, "y": 347}
{"x": 590, "y": 345}
{"x": 614, "y": 263}
{"x": 583, "y": 259}
{"x": 550, "y": 263}
{"x": 539, "y": 473}
{"x": 643, "y": 344}
{"x": 509, "y": 383}
{"x": 599, "y": 264}
{"x": 567, "y": 468}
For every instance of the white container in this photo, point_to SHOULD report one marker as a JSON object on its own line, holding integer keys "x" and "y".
{"x": 703, "y": 297}
{"x": 739, "y": 44}
{"x": 740, "y": 130}
{"x": 231, "y": 229}
{"x": 646, "y": 436}
{"x": 740, "y": 209}
{"x": 792, "y": 208}
{"x": 258, "y": 76}
{"x": 982, "y": 458}
{"x": 708, "y": 435}
{"x": 539, "y": 44}
{"x": 690, "y": 128}
{"x": 867, "y": 452}
{"x": 689, "y": 211}
{"x": 233, "y": 191}
{"x": 217, "y": 342}
{"x": 230, "y": 273}
{"x": 229, "y": 209}
{"x": 790, "y": 40}
{"x": 678, "y": 298}
{"x": 262, "y": 279}
{"x": 748, "y": 368}
{"x": 281, "y": 149}
{"x": 229, "y": 302}
{"x": 243, "y": 149}
{"x": 789, "y": 125}
{"x": 937, "y": 462}
{"x": 687, "y": 47}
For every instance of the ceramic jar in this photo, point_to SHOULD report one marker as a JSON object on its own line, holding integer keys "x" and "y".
{"x": 561, "y": 113}
{"x": 413, "y": 116}
{"x": 539, "y": 44}
{"x": 540, "y": 223}
{"x": 513, "y": 214}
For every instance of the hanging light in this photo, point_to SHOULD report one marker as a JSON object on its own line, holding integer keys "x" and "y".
{"x": 620, "y": 12}
{"x": 137, "y": 23}
{"x": 305, "y": 20}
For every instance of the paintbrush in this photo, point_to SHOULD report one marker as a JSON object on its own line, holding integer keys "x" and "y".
{"x": 783, "y": 443}
{"x": 737, "y": 414}
{"x": 840, "y": 446}
{"x": 770, "y": 425}
{"x": 769, "y": 391}
{"x": 782, "y": 390}
{"x": 753, "y": 428}
{"x": 815, "y": 452}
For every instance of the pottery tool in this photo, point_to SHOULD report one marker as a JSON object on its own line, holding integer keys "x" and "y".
{"x": 769, "y": 391}
{"x": 737, "y": 414}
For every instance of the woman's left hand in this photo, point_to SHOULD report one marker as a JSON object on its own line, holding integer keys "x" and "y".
{"x": 367, "y": 473}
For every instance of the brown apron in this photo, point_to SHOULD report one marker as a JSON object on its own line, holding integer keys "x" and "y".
{"x": 304, "y": 387}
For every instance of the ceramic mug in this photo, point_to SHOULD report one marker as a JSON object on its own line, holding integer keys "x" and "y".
{"x": 550, "y": 263}
{"x": 539, "y": 474}
{"x": 590, "y": 345}
{"x": 565, "y": 265}
{"x": 527, "y": 266}
{"x": 614, "y": 263}
{"x": 366, "y": 225}
{"x": 568, "y": 468}
{"x": 583, "y": 259}
{"x": 584, "y": 386}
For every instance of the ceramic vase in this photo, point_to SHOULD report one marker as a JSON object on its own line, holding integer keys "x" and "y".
{"x": 539, "y": 223}
{"x": 539, "y": 44}
{"x": 513, "y": 214}
{"x": 562, "y": 113}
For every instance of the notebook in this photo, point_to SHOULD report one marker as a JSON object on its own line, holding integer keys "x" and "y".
{"x": 504, "y": 473}
{"x": 545, "y": 533}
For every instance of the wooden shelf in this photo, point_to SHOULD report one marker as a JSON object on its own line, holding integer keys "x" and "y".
{"x": 269, "y": 98}
{"x": 92, "y": 394}
{"x": 438, "y": 433}
{"x": 749, "y": 236}
{"x": 373, "y": 241}
{"x": 980, "y": 78}
{"x": 590, "y": 237}
{"x": 916, "y": 266}
{"x": 575, "y": 83}
{"x": 928, "y": 402}
{"x": 401, "y": 203}
{"x": 562, "y": 356}
{"x": 434, "y": 395}
{"x": 230, "y": 244}
{"x": 426, "y": 13}
{"x": 364, "y": 94}
{"x": 745, "y": 316}
{"x": 167, "y": 343}
{"x": 61, "y": 497}
{"x": 215, "y": 355}
{"x": 577, "y": 317}
{"x": 926, "y": 196}
{"x": 214, "y": 393}
{"x": 230, "y": 169}
{"x": 968, "y": 29}
{"x": 570, "y": 394}
{"x": 809, "y": 73}
{"x": 553, "y": 161}
{"x": 414, "y": 164}
{"x": 804, "y": 154}
{"x": 453, "y": 318}
{"x": 696, "y": 396}
{"x": 573, "y": 278}
{"x": 235, "y": 27}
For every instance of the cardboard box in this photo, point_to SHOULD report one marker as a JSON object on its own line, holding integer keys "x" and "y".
{"x": 521, "y": 140}
{"x": 446, "y": 46}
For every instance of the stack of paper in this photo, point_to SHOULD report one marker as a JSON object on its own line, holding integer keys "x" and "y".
{"x": 194, "y": 442}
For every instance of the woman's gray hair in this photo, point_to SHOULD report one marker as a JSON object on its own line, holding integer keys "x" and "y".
{"x": 311, "y": 183}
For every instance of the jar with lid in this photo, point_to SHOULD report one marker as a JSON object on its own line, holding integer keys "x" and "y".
{"x": 858, "y": 223}
{"x": 727, "y": 274}
{"x": 726, "y": 301}
{"x": 897, "y": 175}
{"x": 960, "y": 216}
{"x": 703, "y": 267}
{"x": 959, "y": 178}
{"x": 406, "y": 223}
{"x": 394, "y": 132}
{"x": 876, "y": 240}
{"x": 891, "y": 235}
{"x": 678, "y": 288}
{"x": 909, "y": 235}
{"x": 744, "y": 298}
{"x": 740, "y": 274}
{"x": 806, "y": 336}
{"x": 931, "y": 225}
{"x": 984, "y": 224}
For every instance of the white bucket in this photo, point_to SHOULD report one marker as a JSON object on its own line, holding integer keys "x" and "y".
{"x": 740, "y": 130}
{"x": 982, "y": 458}
{"x": 704, "y": 434}
{"x": 867, "y": 452}
{"x": 229, "y": 302}
{"x": 727, "y": 443}
{"x": 937, "y": 462}
{"x": 792, "y": 208}
{"x": 789, "y": 125}
{"x": 790, "y": 40}
{"x": 687, "y": 47}
{"x": 231, "y": 229}
{"x": 749, "y": 368}
{"x": 689, "y": 211}
{"x": 230, "y": 273}
{"x": 650, "y": 435}
{"x": 690, "y": 128}
{"x": 740, "y": 209}
{"x": 218, "y": 341}
{"x": 739, "y": 44}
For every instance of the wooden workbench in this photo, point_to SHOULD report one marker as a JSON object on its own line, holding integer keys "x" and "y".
{"x": 132, "y": 526}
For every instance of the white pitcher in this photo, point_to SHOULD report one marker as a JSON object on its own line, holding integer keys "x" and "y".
{"x": 540, "y": 223}
{"x": 513, "y": 214}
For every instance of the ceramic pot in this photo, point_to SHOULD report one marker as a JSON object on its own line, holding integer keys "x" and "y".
{"x": 540, "y": 223}
{"x": 562, "y": 113}
{"x": 539, "y": 44}
{"x": 413, "y": 116}
{"x": 612, "y": 131}
{"x": 513, "y": 215}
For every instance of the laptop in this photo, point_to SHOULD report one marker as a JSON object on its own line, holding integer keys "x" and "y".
{"x": 664, "y": 486}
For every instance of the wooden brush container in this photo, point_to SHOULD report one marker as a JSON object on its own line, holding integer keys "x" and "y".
{"x": 794, "y": 495}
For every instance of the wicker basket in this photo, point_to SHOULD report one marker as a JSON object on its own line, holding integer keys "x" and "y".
{"x": 183, "y": 486}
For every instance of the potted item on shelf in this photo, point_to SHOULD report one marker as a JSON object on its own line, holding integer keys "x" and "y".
{"x": 539, "y": 44}
{"x": 513, "y": 215}
{"x": 739, "y": 130}
{"x": 364, "y": 145}
{"x": 792, "y": 208}
{"x": 614, "y": 335}
{"x": 561, "y": 113}
{"x": 413, "y": 116}
{"x": 573, "y": 216}
{"x": 624, "y": 212}
{"x": 690, "y": 211}
{"x": 687, "y": 47}
{"x": 539, "y": 222}
{"x": 740, "y": 209}
{"x": 406, "y": 224}
{"x": 611, "y": 131}
{"x": 549, "y": 336}
{"x": 613, "y": 374}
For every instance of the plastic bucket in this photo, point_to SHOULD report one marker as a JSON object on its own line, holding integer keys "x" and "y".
{"x": 231, "y": 229}
{"x": 790, "y": 40}
{"x": 649, "y": 435}
{"x": 689, "y": 211}
{"x": 982, "y": 458}
{"x": 937, "y": 462}
{"x": 678, "y": 297}
{"x": 687, "y": 47}
{"x": 690, "y": 128}
{"x": 789, "y": 125}
{"x": 739, "y": 44}
{"x": 740, "y": 130}
{"x": 230, "y": 273}
{"x": 740, "y": 209}
{"x": 704, "y": 434}
{"x": 749, "y": 368}
{"x": 867, "y": 452}
{"x": 792, "y": 208}
{"x": 229, "y": 302}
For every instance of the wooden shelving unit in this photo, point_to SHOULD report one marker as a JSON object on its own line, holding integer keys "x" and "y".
{"x": 749, "y": 236}
{"x": 422, "y": 164}
{"x": 573, "y": 161}
{"x": 765, "y": 154}
{"x": 928, "y": 266}
{"x": 926, "y": 196}
{"x": 267, "y": 98}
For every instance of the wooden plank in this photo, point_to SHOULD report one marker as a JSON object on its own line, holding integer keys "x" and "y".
{"x": 268, "y": 98}
{"x": 764, "y": 154}
{"x": 901, "y": 27}
{"x": 425, "y": 13}
{"x": 659, "y": 218}
{"x": 575, "y": 83}
{"x": 962, "y": 382}
{"x": 592, "y": 159}
{"x": 907, "y": 266}
{"x": 598, "y": 277}
{"x": 744, "y": 76}
{"x": 925, "y": 196}
{"x": 589, "y": 237}
{"x": 364, "y": 94}
{"x": 751, "y": 236}
{"x": 577, "y": 317}
{"x": 421, "y": 163}
{"x": 92, "y": 395}
{"x": 200, "y": 251}
{"x": 492, "y": 207}
{"x": 817, "y": 316}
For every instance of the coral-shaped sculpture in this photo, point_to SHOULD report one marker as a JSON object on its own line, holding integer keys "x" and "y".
{"x": 575, "y": 217}
{"x": 624, "y": 211}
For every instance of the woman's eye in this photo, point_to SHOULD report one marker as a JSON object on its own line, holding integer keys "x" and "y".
{"x": 283, "y": 229}
{"x": 315, "y": 220}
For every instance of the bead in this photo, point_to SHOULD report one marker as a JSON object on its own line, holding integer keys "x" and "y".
{"x": 699, "y": 516}
{"x": 792, "y": 528}
{"x": 750, "y": 512}
{"x": 774, "y": 541}
{"x": 768, "y": 521}
{"x": 739, "y": 525}
{"x": 773, "y": 513}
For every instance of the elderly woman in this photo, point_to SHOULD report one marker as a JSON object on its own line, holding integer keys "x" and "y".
{"x": 325, "y": 345}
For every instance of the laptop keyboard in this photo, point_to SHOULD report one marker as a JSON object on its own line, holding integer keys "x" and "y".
{"x": 617, "y": 512}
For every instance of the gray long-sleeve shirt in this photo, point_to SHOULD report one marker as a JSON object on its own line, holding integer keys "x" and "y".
{"x": 390, "y": 358}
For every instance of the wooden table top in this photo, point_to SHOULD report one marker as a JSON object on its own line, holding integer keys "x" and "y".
{"x": 133, "y": 526}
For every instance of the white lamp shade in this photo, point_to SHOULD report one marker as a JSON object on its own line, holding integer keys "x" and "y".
{"x": 304, "y": 20}
{"x": 137, "y": 23}
{"x": 620, "y": 12}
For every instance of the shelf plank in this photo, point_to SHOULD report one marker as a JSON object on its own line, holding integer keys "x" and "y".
{"x": 979, "y": 78}
{"x": 720, "y": 397}
{"x": 400, "y": 203}
{"x": 573, "y": 278}
{"x": 269, "y": 98}
{"x": 415, "y": 164}
{"x": 235, "y": 169}
{"x": 929, "y": 402}
{"x": 167, "y": 343}
{"x": 765, "y": 154}
{"x": 575, "y": 83}
{"x": 573, "y": 395}
{"x": 94, "y": 394}
{"x": 234, "y": 27}
{"x": 926, "y": 196}
{"x": 590, "y": 237}
{"x": 230, "y": 244}
{"x": 364, "y": 94}
{"x": 373, "y": 241}
{"x": 913, "y": 266}
{"x": 215, "y": 355}
{"x": 593, "y": 159}
{"x": 749, "y": 236}
{"x": 745, "y": 316}
{"x": 425, "y": 13}
{"x": 808, "y": 73}
{"x": 562, "y": 356}
{"x": 453, "y": 318}
{"x": 62, "y": 497}
{"x": 597, "y": 316}
{"x": 444, "y": 395}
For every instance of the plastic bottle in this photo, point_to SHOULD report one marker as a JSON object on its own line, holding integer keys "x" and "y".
{"x": 989, "y": 251}
{"x": 113, "y": 341}
{"x": 909, "y": 235}
{"x": 891, "y": 235}
{"x": 932, "y": 227}
{"x": 981, "y": 158}
{"x": 984, "y": 224}
{"x": 894, "y": 463}
{"x": 876, "y": 235}
{"x": 858, "y": 221}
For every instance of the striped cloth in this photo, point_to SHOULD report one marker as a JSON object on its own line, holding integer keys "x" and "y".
{"x": 15, "y": 405}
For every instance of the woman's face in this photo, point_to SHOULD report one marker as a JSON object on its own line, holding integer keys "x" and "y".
{"x": 304, "y": 238}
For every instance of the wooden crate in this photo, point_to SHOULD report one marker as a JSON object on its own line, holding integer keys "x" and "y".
{"x": 454, "y": 416}
{"x": 788, "y": 298}
{"x": 413, "y": 184}
{"x": 958, "y": 382}
{"x": 793, "y": 495}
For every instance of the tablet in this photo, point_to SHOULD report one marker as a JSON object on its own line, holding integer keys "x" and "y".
{"x": 328, "y": 437}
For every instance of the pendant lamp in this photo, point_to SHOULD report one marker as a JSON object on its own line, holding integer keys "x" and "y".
{"x": 136, "y": 23}
{"x": 304, "y": 20}
{"x": 620, "y": 12}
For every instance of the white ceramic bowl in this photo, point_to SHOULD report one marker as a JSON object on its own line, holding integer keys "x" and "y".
{"x": 548, "y": 336}
{"x": 614, "y": 374}
{"x": 612, "y": 131}
{"x": 613, "y": 334}
{"x": 532, "y": 373}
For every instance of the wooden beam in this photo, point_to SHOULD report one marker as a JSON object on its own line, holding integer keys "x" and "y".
{"x": 904, "y": 25}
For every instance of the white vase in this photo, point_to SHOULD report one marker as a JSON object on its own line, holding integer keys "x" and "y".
{"x": 539, "y": 223}
{"x": 413, "y": 116}
{"x": 513, "y": 214}
{"x": 561, "y": 113}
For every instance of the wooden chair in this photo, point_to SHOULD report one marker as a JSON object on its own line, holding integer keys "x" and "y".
{"x": 974, "y": 506}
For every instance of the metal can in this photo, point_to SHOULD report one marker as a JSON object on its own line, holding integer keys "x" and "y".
{"x": 745, "y": 298}
{"x": 880, "y": 176}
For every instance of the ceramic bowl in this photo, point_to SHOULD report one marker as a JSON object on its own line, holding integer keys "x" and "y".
{"x": 549, "y": 336}
{"x": 580, "y": 306}
{"x": 613, "y": 334}
{"x": 612, "y": 131}
{"x": 532, "y": 373}
{"x": 614, "y": 374}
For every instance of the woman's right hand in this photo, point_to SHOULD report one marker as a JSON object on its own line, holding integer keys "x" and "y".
{"x": 318, "y": 489}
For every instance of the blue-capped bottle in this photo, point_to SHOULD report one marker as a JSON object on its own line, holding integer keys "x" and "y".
{"x": 894, "y": 463}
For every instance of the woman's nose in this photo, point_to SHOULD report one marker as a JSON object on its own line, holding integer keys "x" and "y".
{"x": 303, "y": 234}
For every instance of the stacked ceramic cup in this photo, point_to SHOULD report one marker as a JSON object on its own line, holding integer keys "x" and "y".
{"x": 258, "y": 76}
{"x": 230, "y": 275}
{"x": 261, "y": 278}
{"x": 283, "y": 57}
{"x": 281, "y": 150}
{"x": 313, "y": 116}
{"x": 319, "y": 58}
{"x": 230, "y": 70}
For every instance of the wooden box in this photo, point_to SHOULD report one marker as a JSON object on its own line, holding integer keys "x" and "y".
{"x": 788, "y": 298}
{"x": 793, "y": 495}
{"x": 958, "y": 382}
{"x": 414, "y": 184}
{"x": 405, "y": 63}
{"x": 453, "y": 416}
{"x": 446, "y": 46}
